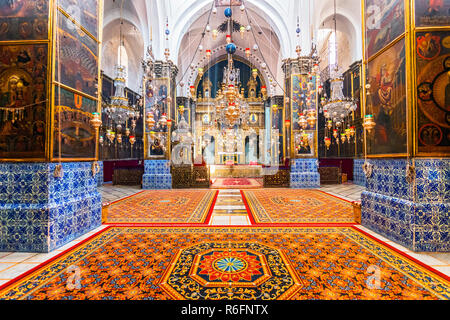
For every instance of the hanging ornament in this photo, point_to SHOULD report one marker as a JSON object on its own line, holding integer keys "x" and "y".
{"x": 192, "y": 91}
{"x": 215, "y": 34}
{"x": 228, "y": 38}
{"x": 343, "y": 139}
{"x": 369, "y": 124}
{"x": 242, "y": 31}
{"x": 208, "y": 28}
{"x": 150, "y": 120}
{"x": 96, "y": 122}
{"x": 132, "y": 140}
{"x": 214, "y": 10}
{"x": 228, "y": 12}
{"x": 208, "y": 54}
{"x": 311, "y": 117}
{"x": 127, "y": 132}
{"x": 133, "y": 124}
{"x": 298, "y": 49}
{"x": 231, "y": 48}
{"x": 101, "y": 140}
{"x": 242, "y": 7}
{"x": 200, "y": 72}
{"x": 352, "y": 131}
{"x": 329, "y": 124}
{"x": 248, "y": 52}
{"x": 200, "y": 48}
{"x": 249, "y": 28}
{"x": 163, "y": 120}
{"x": 264, "y": 90}
{"x": 264, "y": 66}
{"x": 255, "y": 73}
{"x": 335, "y": 133}
{"x": 302, "y": 122}
{"x": 255, "y": 47}
{"x": 119, "y": 138}
{"x": 327, "y": 143}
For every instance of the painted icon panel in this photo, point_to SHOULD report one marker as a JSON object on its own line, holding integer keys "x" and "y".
{"x": 24, "y": 20}
{"x": 76, "y": 61}
{"x": 23, "y": 100}
{"x": 386, "y": 101}
{"x": 384, "y": 22}
{"x": 432, "y": 13}
{"x": 433, "y": 91}
{"x": 85, "y": 12}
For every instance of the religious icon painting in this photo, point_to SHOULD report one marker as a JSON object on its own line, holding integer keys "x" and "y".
{"x": 74, "y": 135}
{"x": 432, "y": 13}
{"x": 85, "y": 12}
{"x": 384, "y": 22}
{"x": 76, "y": 61}
{"x": 387, "y": 102}
{"x": 23, "y": 100}
{"x": 24, "y": 20}
{"x": 433, "y": 91}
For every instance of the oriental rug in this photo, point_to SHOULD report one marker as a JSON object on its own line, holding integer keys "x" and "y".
{"x": 275, "y": 206}
{"x": 163, "y": 206}
{"x": 245, "y": 263}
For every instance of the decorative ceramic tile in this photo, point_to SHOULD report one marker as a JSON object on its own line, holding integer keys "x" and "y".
{"x": 304, "y": 174}
{"x": 100, "y": 177}
{"x": 157, "y": 175}
{"x": 414, "y": 213}
{"x": 40, "y": 212}
{"x": 359, "y": 176}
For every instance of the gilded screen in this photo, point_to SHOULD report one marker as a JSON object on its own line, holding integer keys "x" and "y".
{"x": 387, "y": 102}
{"x": 74, "y": 136}
{"x": 23, "y": 100}
{"x": 24, "y": 20}
{"x": 433, "y": 91}
{"x": 85, "y": 12}
{"x": 76, "y": 62}
{"x": 384, "y": 22}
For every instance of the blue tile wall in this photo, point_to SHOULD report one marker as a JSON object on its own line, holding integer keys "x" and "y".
{"x": 100, "y": 176}
{"x": 359, "y": 176}
{"x": 304, "y": 174}
{"x": 39, "y": 212}
{"x": 157, "y": 175}
{"x": 413, "y": 214}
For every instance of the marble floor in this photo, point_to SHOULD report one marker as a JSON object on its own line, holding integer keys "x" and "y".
{"x": 229, "y": 210}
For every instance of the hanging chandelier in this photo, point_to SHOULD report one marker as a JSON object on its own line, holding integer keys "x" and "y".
{"x": 119, "y": 111}
{"x": 338, "y": 108}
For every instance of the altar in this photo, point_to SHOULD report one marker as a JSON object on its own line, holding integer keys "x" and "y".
{"x": 236, "y": 171}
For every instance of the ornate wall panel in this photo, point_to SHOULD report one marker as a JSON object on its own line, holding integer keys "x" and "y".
{"x": 23, "y": 100}
{"x": 388, "y": 102}
{"x": 24, "y": 20}
{"x": 432, "y": 13}
{"x": 433, "y": 92}
{"x": 384, "y": 22}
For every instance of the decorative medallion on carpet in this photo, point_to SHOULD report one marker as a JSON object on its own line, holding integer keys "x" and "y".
{"x": 238, "y": 270}
{"x": 233, "y": 183}
{"x": 230, "y": 263}
{"x": 297, "y": 206}
{"x": 163, "y": 206}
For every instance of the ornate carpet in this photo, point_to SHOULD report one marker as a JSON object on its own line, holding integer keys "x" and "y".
{"x": 230, "y": 263}
{"x": 163, "y": 206}
{"x": 236, "y": 183}
{"x": 296, "y": 206}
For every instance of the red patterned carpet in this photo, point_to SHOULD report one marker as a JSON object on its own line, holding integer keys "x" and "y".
{"x": 230, "y": 263}
{"x": 163, "y": 206}
{"x": 236, "y": 183}
{"x": 297, "y": 206}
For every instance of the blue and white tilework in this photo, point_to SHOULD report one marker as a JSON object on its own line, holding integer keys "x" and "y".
{"x": 359, "y": 177}
{"x": 413, "y": 214}
{"x": 100, "y": 176}
{"x": 304, "y": 174}
{"x": 40, "y": 212}
{"x": 157, "y": 175}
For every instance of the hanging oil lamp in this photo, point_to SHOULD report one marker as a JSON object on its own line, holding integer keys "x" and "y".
{"x": 264, "y": 91}
{"x": 343, "y": 137}
{"x": 132, "y": 140}
{"x": 311, "y": 117}
{"x": 101, "y": 140}
{"x": 302, "y": 122}
{"x": 200, "y": 72}
{"x": 327, "y": 142}
{"x": 242, "y": 31}
{"x": 192, "y": 91}
{"x": 208, "y": 54}
{"x": 228, "y": 39}
{"x": 163, "y": 120}
{"x": 133, "y": 124}
{"x": 127, "y": 132}
{"x": 352, "y": 131}
{"x": 150, "y": 120}
{"x": 369, "y": 124}
{"x": 96, "y": 121}
{"x": 248, "y": 52}
{"x": 119, "y": 138}
{"x": 214, "y": 34}
{"x": 335, "y": 133}
{"x": 329, "y": 124}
